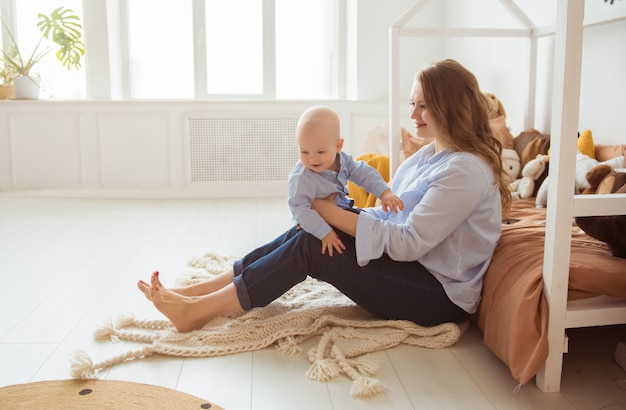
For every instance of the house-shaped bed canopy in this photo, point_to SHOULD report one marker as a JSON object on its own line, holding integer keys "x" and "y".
{"x": 568, "y": 38}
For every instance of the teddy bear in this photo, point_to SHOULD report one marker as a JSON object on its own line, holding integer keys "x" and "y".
{"x": 584, "y": 164}
{"x": 610, "y": 229}
{"x": 613, "y": 183}
{"x": 523, "y": 187}
{"x": 511, "y": 164}
{"x": 496, "y": 108}
{"x": 595, "y": 176}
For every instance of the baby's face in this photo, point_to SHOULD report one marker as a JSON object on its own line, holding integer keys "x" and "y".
{"x": 318, "y": 148}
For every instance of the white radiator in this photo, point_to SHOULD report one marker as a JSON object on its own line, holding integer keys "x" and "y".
{"x": 224, "y": 147}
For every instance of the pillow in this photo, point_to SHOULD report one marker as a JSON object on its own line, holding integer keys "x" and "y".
{"x": 501, "y": 132}
{"x": 606, "y": 152}
{"x": 608, "y": 228}
{"x": 540, "y": 145}
{"x": 362, "y": 198}
{"x": 411, "y": 144}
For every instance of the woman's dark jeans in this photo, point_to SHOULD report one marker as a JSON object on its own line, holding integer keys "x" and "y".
{"x": 386, "y": 288}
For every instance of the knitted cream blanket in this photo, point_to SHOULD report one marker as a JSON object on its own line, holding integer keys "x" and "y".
{"x": 311, "y": 308}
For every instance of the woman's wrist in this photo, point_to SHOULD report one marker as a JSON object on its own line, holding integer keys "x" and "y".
{"x": 335, "y": 216}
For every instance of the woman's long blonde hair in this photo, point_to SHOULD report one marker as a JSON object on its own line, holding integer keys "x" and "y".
{"x": 457, "y": 104}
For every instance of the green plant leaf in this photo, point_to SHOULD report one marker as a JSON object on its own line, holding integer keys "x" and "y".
{"x": 61, "y": 30}
{"x": 63, "y": 27}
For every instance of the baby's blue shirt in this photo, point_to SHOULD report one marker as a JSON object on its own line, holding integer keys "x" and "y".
{"x": 306, "y": 185}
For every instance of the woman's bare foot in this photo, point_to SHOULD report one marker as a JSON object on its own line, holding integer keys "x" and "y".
{"x": 144, "y": 288}
{"x": 198, "y": 289}
{"x": 179, "y": 309}
{"x": 189, "y": 313}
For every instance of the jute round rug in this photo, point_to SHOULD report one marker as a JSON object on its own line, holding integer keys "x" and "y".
{"x": 105, "y": 394}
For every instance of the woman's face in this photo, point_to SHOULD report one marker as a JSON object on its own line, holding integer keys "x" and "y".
{"x": 425, "y": 125}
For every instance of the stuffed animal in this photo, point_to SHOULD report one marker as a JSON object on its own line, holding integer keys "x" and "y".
{"x": 595, "y": 176}
{"x": 523, "y": 188}
{"x": 511, "y": 163}
{"x": 585, "y": 144}
{"x": 496, "y": 108}
{"x": 613, "y": 183}
{"x": 584, "y": 164}
{"x": 610, "y": 229}
{"x": 376, "y": 140}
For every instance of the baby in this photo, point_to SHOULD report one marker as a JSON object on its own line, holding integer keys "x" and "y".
{"x": 324, "y": 170}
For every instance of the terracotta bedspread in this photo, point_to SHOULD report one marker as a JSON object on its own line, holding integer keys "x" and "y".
{"x": 513, "y": 312}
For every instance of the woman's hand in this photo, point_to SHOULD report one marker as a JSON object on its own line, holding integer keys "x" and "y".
{"x": 336, "y": 217}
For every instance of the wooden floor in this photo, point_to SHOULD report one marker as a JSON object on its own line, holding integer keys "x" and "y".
{"x": 66, "y": 265}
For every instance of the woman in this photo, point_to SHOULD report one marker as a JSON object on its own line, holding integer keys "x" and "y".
{"x": 424, "y": 264}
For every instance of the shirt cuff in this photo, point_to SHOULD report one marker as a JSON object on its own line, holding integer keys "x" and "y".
{"x": 362, "y": 240}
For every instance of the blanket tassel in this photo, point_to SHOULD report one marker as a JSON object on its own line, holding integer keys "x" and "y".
{"x": 362, "y": 384}
{"x": 106, "y": 331}
{"x": 289, "y": 346}
{"x": 365, "y": 386}
{"x": 82, "y": 367}
{"x": 322, "y": 370}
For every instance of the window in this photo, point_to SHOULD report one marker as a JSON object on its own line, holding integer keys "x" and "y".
{"x": 234, "y": 47}
{"x": 305, "y": 49}
{"x": 56, "y": 80}
{"x": 160, "y": 49}
{"x": 198, "y": 49}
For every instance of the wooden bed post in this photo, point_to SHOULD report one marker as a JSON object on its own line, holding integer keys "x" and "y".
{"x": 565, "y": 111}
{"x": 394, "y": 101}
{"x": 394, "y": 84}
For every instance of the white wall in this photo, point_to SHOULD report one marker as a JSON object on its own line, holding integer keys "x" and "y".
{"x": 501, "y": 65}
{"x": 603, "y": 85}
{"x": 63, "y": 136}
{"x": 372, "y": 49}
{"x": 139, "y": 149}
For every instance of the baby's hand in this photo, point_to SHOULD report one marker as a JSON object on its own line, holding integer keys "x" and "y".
{"x": 332, "y": 241}
{"x": 391, "y": 202}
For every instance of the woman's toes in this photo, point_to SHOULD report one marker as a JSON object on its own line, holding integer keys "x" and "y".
{"x": 145, "y": 288}
{"x": 156, "y": 282}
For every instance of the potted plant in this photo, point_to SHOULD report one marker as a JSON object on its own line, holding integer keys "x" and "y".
{"x": 61, "y": 31}
{"x": 6, "y": 84}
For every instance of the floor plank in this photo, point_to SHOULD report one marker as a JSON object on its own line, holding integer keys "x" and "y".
{"x": 67, "y": 265}
{"x": 435, "y": 379}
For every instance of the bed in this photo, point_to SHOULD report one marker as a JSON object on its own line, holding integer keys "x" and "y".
{"x": 530, "y": 300}
{"x": 513, "y": 314}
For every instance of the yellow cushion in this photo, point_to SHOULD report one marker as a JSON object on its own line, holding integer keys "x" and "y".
{"x": 585, "y": 144}
{"x": 362, "y": 198}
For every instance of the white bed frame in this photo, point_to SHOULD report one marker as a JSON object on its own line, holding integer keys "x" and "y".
{"x": 568, "y": 34}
